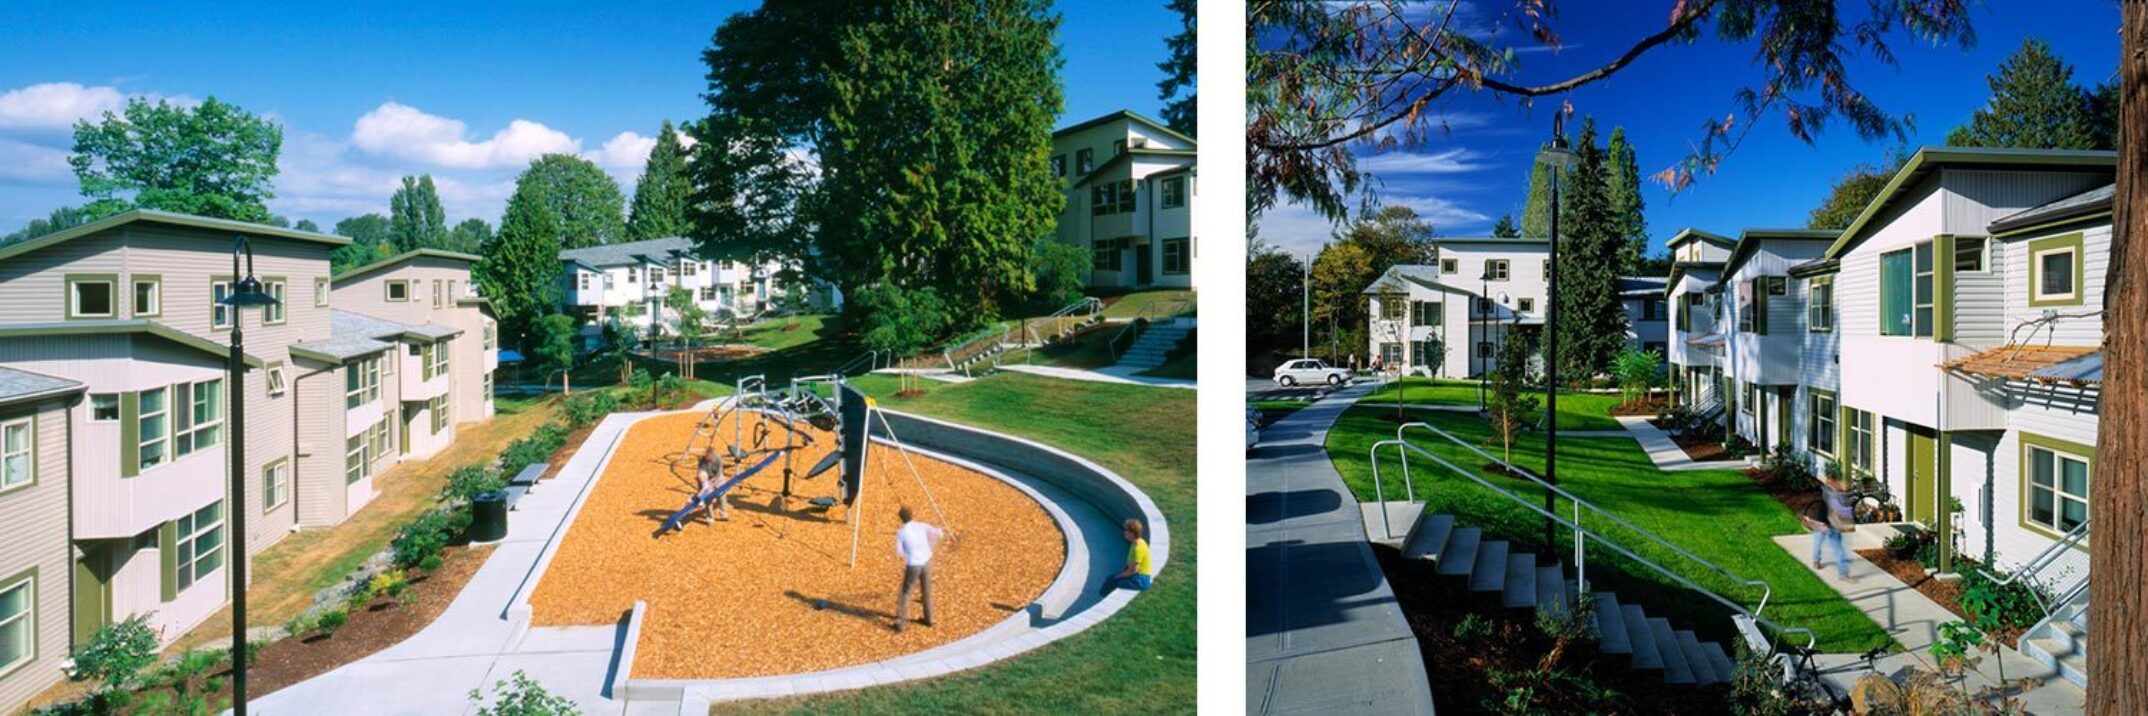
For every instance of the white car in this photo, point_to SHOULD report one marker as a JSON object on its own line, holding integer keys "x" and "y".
{"x": 1306, "y": 371}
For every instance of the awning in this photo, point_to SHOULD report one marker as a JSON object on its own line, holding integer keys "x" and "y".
{"x": 2079, "y": 365}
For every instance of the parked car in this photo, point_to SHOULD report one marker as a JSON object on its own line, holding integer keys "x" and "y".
{"x": 1252, "y": 427}
{"x": 1310, "y": 370}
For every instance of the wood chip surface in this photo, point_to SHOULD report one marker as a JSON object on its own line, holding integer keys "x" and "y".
{"x": 738, "y": 598}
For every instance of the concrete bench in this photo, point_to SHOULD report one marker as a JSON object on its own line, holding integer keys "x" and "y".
{"x": 522, "y": 482}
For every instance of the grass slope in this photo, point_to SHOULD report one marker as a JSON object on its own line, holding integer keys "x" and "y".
{"x": 1577, "y": 411}
{"x": 1718, "y": 515}
{"x": 1141, "y": 660}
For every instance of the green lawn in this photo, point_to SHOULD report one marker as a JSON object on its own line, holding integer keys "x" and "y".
{"x": 1577, "y": 411}
{"x": 1133, "y": 304}
{"x": 1142, "y": 658}
{"x": 1718, "y": 515}
{"x": 781, "y": 333}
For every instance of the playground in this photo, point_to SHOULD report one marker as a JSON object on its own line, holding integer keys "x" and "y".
{"x": 791, "y": 583}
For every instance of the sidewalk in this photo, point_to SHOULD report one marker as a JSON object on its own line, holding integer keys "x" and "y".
{"x": 1323, "y": 631}
{"x": 1913, "y": 620}
{"x": 1107, "y": 374}
{"x": 1665, "y": 453}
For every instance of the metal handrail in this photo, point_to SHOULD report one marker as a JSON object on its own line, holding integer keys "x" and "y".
{"x": 2035, "y": 566}
{"x": 1146, "y": 311}
{"x": 1581, "y": 533}
{"x": 869, "y": 360}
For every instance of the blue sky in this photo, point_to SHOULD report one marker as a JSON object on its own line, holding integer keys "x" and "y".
{"x": 1465, "y": 179}
{"x": 370, "y": 91}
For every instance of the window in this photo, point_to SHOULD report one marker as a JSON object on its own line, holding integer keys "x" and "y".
{"x": 354, "y": 466}
{"x": 17, "y": 454}
{"x": 689, "y": 268}
{"x": 199, "y": 550}
{"x": 1923, "y": 295}
{"x": 376, "y": 441}
{"x": 440, "y": 413}
{"x": 1750, "y": 398}
{"x": 202, "y": 419}
{"x": 1174, "y": 192}
{"x": 1391, "y": 308}
{"x": 18, "y": 625}
{"x": 1820, "y": 430}
{"x": 1969, "y": 253}
{"x": 1546, "y": 267}
{"x": 1484, "y": 306}
{"x": 275, "y": 485}
{"x": 2057, "y": 490}
{"x": 488, "y": 386}
{"x": 275, "y": 379}
{"x": 361, "y": 382}
{"x": 1820, "y": 306}
{"x": 1059, "y": 166}
{"x": 440, "y": 360}
{"x": 1777, "y": 285}
{"x": 1118, "y": 147}
{"x": 581, "y": 280}
{"x": 2055, "y": 271}
{"x": 397, "y": 290}
{"x": 1106, "y": 256}
{"x": 1424, "y": 313}
{"x": 436, "y": 293}
{"x": 1651, "y": 309}
{"x": 1495, "y": 270}
{"x": 656, "y": 274}
{"x": 1084, "y": 161}
{"x": 1448, "y": 266}
{"x": 492, "y": 332}
{"x": 104, "y": 407}
{"x": 152, "y": 424}
{"x": 1527, "y": 305}
{"x": 219, "y": 314}
{"x": 1745, "y": 307}
{"x": 1861, "y": 440}
{"x": 275, "y": 312}
{"x": 1896, "y": 275}
{"x": 1422, "y": 352}
{"x": 320, "y": 292}
{"x": 1126, "y": 197}
{"x": 89, "y": 296}
{"x": 148, "y": 295}
{"x": 1176, "y": 260}
{"x": 451, "y": 294}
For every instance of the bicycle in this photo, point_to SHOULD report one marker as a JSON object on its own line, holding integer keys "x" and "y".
{"x": 1806, "y": 685}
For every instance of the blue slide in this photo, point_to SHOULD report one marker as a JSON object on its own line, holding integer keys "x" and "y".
{"x": 697, "y": 501}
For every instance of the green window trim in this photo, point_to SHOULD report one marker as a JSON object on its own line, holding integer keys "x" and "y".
{"x": 134, "y": 285}
{"x": 282, "y": 462}
{"x": 29, "y": 617}
{"x": 230, "y": 314}
{"x": 1897, "y": 279}
{"x": 2029, "y": 441}
{"x": 387, "y": 291}
{"x": 1820, "y": 314}
{"x": 168, "y": 560}
{"x": 130, "y": 434}
{"x": 1812, "y": 415}
{"x": 111, "y": 282}
{"x": 2046, "y": 245}
{"x": 320, "y": 292}
{"x": 1943, "y": 288}
{"x": 30, "y": 418}
{"x": 282, "y": 310}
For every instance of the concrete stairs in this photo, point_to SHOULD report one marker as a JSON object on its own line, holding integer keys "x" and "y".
{"x": 1495, "y": 567}
{"x": 2061, "y": 641}
{"x": 1156, "y": 343}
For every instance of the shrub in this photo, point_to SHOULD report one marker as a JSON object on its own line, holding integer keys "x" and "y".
{"x": 1473, "y": 627}
{"x": 1994, "y": 606}
{"x": 1956, "y": 640}
{"x": 589, "y": 407}
{"x": 332, "y": 619}
{"x": 1790, "y": 468}
{"x": 470, "y": 481}
{"x": 305, "y": 621}
{"x": 1908, "y": 542}
{"x": 1637, "y": 371}
{"x": 423, "y": 537}
{"x": 116, "y": 654}
{"x": 523, "y": 697}
{"x": 391, "y": 583}
{"x": 1756, "y": 686}
{"x": 535, "y": 448}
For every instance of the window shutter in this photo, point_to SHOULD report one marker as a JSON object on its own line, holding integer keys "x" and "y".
{"x": 1760, "y": 305}
{"x": 168, "y": 560}
{"x": 1943, "y": 288}
{"x": 130, "y": 434}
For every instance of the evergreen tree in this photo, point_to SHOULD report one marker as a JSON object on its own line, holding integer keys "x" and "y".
{"x": 935, "y": 161}
{"x": 662, "y": 194}
{"x": 469, "y": 236}
{"x": 213, "y": 160}
{"x": 2035, "y": 105}
{"x": 1536, "y": 209}
{"x": 1590, "y": 322}
{"x": 1626, "y": 204}
{"x": 415, "y": 217}
{"x": 1177, "y": 90}
{"x": 520, "y": 268}
{"x": 1505, "y": 228}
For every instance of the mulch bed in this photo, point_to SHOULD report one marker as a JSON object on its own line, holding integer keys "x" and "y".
{"x": 771, "y": 591}
{"x": 707, "y": 354}
{"x": 1700, "y": 449}
{"x": 1646, "y": 407}
{"x": 1460, "y": 668}
{"x": 1947, "y": 593}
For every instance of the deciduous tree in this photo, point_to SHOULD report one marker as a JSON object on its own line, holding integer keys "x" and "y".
{"x": 469, "y": 236}
{"x": 415, "y": 218}
{"x": 214, "y": 160}
{"x": 1360, "y": 255}
{"x": 372, "y": 239}
{"x": 1852, "y": 192}
{"x": 585, "y": 201}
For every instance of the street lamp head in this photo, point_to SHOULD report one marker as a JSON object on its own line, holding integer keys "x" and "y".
{"x": 246, "y": 291}
{"x": 1558, "y": 155}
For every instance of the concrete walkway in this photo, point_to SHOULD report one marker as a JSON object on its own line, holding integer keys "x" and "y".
{"x": 1913, "y": 620}
{"x": 1666, "y": 453}
{"x": 1323, "y": 631}
{"x": 473, "y": 644}
{"x": 1107, "y": 374}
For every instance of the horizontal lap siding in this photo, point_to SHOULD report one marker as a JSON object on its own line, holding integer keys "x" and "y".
{"x": 36, "y": 537}
{"x": 2075, "y": 329}
{"x": 319, "y": 479}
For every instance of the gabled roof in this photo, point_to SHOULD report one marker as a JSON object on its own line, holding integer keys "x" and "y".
{"x": 1125, "y": 114}
{"x": 21, "y": 385}
{"x": 1690, "y": 234}
{"x": 124, "y": 327}
{"x": 351, "y": 335}
{"x": 1819, "y": 267}
{"x": 1680, "y": 269}
{"x": 630, "y": 253}
{"x": 1930, "y": 159}
{"x": 405, "y": 256}
{"x": 1127, "y": 157}
{"x": 1750, "y": 240}
{"x": 1489, "y": 240}
{"x": 168, "y": 219}
{"x": 2087, "y": 204}
{"x": 1420, "y": 274}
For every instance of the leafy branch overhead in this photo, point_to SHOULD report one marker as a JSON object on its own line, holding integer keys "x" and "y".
{"x": 1328, "y": 80}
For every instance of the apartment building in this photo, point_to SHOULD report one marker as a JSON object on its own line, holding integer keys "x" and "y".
{"x": 1695, "y": 350}
{"x": 1130, "y": 183}
{"x": 1762, "y": 326}
{"x": 113, "y": 357}
{"x": 431, "y": 293}
{"x": 1648, "y": 316}
{"x": 631, "y": 281}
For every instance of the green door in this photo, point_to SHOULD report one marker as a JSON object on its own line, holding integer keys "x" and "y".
{"x": 1923, "y": 476}
{"x": 93, "y": 594}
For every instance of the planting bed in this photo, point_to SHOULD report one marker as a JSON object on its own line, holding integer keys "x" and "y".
{"x": 771, "y": 591}
{"x": 707, "y": 354}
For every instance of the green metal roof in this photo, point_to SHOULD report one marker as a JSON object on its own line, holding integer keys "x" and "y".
{"x": 1127, "y": 114}
{"x": 406, "y": 256}
{"x": 170, "y": 219}
{"x": 123, "y": 327}
{"x": 1928, "y": 159}
{"x": 1749, "y": 242}
{"x": 1689, "y": 234}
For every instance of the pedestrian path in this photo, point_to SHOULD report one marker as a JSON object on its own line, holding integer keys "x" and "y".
{"x": 1665, "y": 452}
{"x": 1108, "y": 374}
{"x": 1323, "y": 630}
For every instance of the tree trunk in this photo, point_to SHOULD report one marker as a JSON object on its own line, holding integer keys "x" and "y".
{"x": 2118, "y": 594}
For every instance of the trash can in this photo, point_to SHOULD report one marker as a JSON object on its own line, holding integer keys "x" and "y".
{"x": 488, "y": 517}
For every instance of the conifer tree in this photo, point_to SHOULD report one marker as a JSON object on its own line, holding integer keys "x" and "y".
{"x": 1505, "y": 228}
{"x": 1177, "y": 87}
{"x": 663, "y": 193}
{"x": 1536, "y": 209}
{"x": 2035, "y": 105}
{"x": 520, "y": 269}
{"x": 1624, "y": 179}
{"x": 1590, "y": 322}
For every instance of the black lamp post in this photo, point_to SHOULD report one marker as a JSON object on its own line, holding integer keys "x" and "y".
{"x": 1559, "y": 157}
{"x": 245, "y": 292}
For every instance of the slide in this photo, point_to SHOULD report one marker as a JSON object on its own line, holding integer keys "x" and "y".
{"x": 697, "y": 501}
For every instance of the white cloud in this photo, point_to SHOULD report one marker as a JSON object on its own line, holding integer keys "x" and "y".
{"x": 1452, "y": 161}
{"x": 627, "y": 152}
{"x": 56, "y": 105}
{"x": 1299, "y": 231}
{"x": 405, "y": 132}
{"x": 31, "y": 163}
{"x": 1444, "y": 215}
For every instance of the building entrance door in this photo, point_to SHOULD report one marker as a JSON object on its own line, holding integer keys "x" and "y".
{"x": 1144, "y": 273}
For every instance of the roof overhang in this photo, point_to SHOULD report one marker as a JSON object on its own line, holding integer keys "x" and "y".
{"x": 401, "y": 258}
{"x": 1930, "y": 159}
{"x": 135, "y": 326}
{"x": 2071, "y": 365}
{"x": 1749, "y": 242}
{"x": 1689, "y": 235}
{"x": 237, "y": 228}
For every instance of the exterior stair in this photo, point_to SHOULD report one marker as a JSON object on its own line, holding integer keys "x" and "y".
{"x": 1493, "y": 566}
{"x": 1156, "y": 343}
{"x": 2061, "y": 642}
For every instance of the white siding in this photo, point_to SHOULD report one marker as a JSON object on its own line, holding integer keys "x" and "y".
{"x": 35, "y": 544}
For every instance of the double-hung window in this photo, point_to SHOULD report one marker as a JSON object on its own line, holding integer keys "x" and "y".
{"x": 320, "y": 292}
{"x": 1820, "y": 430}
{"x": 18, "y": 622}
{"x": 1861, "y": 440}
{"x": 199, "y": 550}
{"x": 219, "y": 313}
{"x": 1820, "y": 305}
{"x": 18, "y": 455}
{"x": 1174, "y": 192}
{"x": 275, "y": 485}
{"x": 1496, "y": 270}
{"x": 1084, "y": 161}
{"x": 440, "y": 360}
{"x": 2057, "y": 484}
{"x": 1177, "y": 258}
{"x": 153, "y": 423}
{"x": 148, "y": 296}
{"x": 1391, "y": 308}
{"x": 1424, "y": 313}
{"x": 201, "y": 418}
{"x": 274, "y": 312}
{"x": 361, "y": 382}
{"x": 354, "y": 465}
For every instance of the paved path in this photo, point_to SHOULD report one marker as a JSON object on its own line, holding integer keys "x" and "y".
{"x": 1666, "y": 454}
{"x": 1323, "y": 631}
{"x": 1913, "y": 620}
{"x": 1107, "y": 374}
{"x": 472, "y": 644}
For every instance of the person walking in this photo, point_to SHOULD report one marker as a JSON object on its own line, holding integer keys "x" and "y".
{"x": 1136, "y": 574}
{"x": 914, "y": 542}
{"x": 1828, "y": 518}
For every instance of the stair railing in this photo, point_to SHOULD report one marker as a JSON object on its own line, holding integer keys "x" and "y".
{"x": 869, "y": 360}
{"x": 1145, "y": 316}
{"x": 1581, "y": 534}
{"x": 2048, "y": 599}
